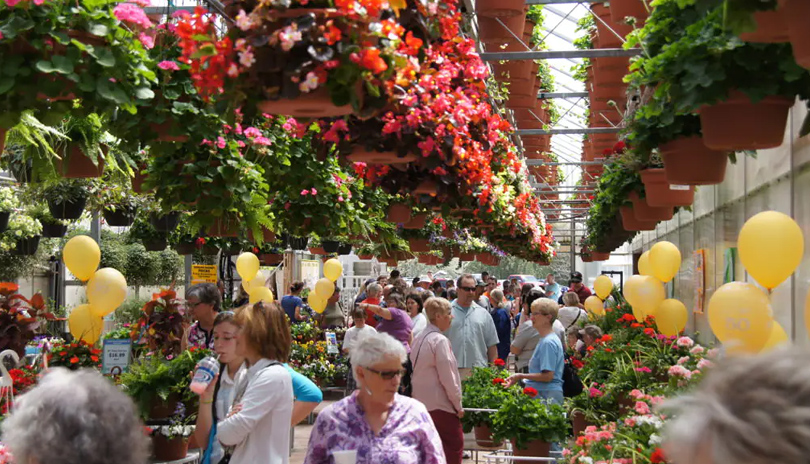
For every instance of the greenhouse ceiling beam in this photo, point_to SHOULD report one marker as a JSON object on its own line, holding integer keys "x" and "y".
{"x": 550, "y": 95}
{"x": 561, "y": 2}
{"x": 586, "y": 130}
{"x": 559, "y": 54}
{"x": 574, "y": 187}
{"x": 538, "y": 162}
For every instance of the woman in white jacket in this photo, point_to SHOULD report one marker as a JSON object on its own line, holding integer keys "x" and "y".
{"x": 257, "y": 428}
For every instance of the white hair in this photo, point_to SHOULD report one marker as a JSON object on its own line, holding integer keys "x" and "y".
{"x": 368, "y": 350}
{"x": 747, "y": 410}
{"x": 75, "y": 418}
{"x": 374, "y": 289}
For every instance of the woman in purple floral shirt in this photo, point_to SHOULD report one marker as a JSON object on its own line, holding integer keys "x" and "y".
{"x": 204, "y": 301}
{"x": 381, "y": 425}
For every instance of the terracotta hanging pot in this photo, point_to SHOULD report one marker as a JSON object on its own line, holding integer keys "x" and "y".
{"x": 739, "y": 124}
{"x": 688, "y": 161}
{"x": 772, "y": 27}
{"x": 317, "y": 104}
{"x": 499, "y": 8}
{"x": 647, "y": 213}
{"x": 631, "y": 224}
{"x": 361, "y": 155}
{"x": 417, "y": 221}
{"x": 491, "y": 31}
{"x": 268, "y": 236}
{"x": 164, "y": 131}
{"x": 224, "y": 227}
{"x": 659, "y": 192}
{"x": 797, "y": 16}
{"x": 76, "y": 165}
{"x": 399, "y": 213}
{"x": 621, "y": 9}
{"x": 419, "y": 245}
{"x": 426, "y": 187}
{"x": 466, "y": 256}
{"x": 138, "y": 179}
{"x": 317, "y": 251}
{"x": 596, "y": 256}
{"x": 607, "y": 37}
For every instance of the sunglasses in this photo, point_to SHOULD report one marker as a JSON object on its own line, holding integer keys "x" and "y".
{"x": 467, "y": 289}
{"x": 387, "y": 375}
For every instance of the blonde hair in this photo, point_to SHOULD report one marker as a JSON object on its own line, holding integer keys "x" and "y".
{"x": 435, "y": 307}
{"x": 267, "y": 330}
{"x": 497, "y": 297}
{"x": 571, "y": 299}
{"x": 546, "y": 306}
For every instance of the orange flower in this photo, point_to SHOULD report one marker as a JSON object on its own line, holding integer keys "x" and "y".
{"x": 371, "y": 60}
{"x": 94, "y": 358}
{"x": 74, "y": 360}
{"x": 8, "y": 288}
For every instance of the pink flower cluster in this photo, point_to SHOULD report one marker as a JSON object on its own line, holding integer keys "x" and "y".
{"x": 685, "y": 342}
{"x": 311, "y": 191}
{"x": 680, "y": 371}
{"x": 132, "y": 14}
{"x": 167, "y": 65}
{"x": 13, "y": 3}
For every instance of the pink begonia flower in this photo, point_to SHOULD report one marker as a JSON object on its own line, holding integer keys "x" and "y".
{"x": 304, "y": 192}
{"x": 313, "y": 191}
{"x": 12, "y": 3}
{"x": 1, "y": 36}
{"x": 642, "y": 407}
{"x": 246, "y": 58}
{"x": 240, "y": 144}
{"x": 685, "y": 342}
{"x": 168, "y": 65}
{"x": 221, "y": 143}
{"x": 132, "y": 14}
{"x": 147, "y": 40}
{"x": 713, "y": 353}
{"x": 340, "y": 199}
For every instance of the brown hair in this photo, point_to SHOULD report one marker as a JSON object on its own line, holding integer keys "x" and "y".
{"x": 267, "y": 330}
{"x": 296, "y": 287}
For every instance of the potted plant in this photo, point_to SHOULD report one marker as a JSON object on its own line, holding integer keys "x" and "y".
{"x": 84, "y": 154}
{"x": 164, "y": 315}
{"x": 66, "y": 198}
{"x": 8, "y": 202}
{"x": 20, "y": 317}
{"x": 143, "y": 232}
{"x": 62, "y": 51}
{"x": 24, "y": 232}
{"x": 74, "y": 355}
{"x": 170, "y": 442}
{"x": 484, "y": 390}
{"x": 531, "y": 424}
{"x": 51, "y": 227}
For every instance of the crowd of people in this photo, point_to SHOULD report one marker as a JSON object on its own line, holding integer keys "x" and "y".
{"x": 409, "y": 348}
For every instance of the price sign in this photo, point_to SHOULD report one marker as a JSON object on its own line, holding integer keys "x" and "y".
{"x": 679, "y": 187}
{"x": 331, "y": 343}
{"x": 201, "y": 273}
{"x": 117, "y": 354}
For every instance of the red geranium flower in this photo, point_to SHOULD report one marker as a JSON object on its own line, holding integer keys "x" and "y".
{"x": 94, "y": 358}
{"x": 649, "y": 331}
{"x": 499, "y": 362}
{"x": 658, "y": 456}
{"x": 498, "y": 381}
{"x": 530, "y": 391}
{"x": 74, "y": 360}
{"x": 577, "y": 363}
{"x": 199, "y": 242}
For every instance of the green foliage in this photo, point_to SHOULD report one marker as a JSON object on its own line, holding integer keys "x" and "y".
{"x": 130, "y": 311}
{"x": 523, "y": 418}
{"x": 618, "y": 180}
{"x": 483, "y": 389}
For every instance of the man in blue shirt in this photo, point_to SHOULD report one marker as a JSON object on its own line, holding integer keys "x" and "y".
{"x": 552, "y": 288}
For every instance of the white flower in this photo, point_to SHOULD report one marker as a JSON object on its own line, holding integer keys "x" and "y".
{"x": 246, "y": 58}
{"x": 655, "y": 439}
{"x": 243, "y": 21}
{"x": 311, "y": 83}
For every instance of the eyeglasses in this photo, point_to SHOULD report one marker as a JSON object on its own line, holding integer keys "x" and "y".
{"x": 387, "y": 375}
{"x": 194, "y": 305}
{"x": 467, "y": 289}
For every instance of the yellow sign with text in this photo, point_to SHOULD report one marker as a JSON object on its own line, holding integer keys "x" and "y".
{"x": 201, "y": 273}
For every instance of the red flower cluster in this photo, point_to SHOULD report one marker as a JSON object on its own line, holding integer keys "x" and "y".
{"x": 577, "y": 363}
{"x": 530, "y": 391}
{"x": 658, "y": 456}
{"x": 499, "y": 362}
{"x": 209, "y": 59}
{"x": 498, "y": 381}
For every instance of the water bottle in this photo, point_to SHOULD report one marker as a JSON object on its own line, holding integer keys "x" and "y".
{"x": 204, "y": 373}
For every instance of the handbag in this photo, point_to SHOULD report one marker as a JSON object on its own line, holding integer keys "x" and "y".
{"x": 240, "y": 392}
{"x": 572, "y": 384}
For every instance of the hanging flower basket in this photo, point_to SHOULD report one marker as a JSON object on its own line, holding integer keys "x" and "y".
{"x": 366, "y": 256}
{"x": 296, "y": 243}
{"x": 596, "y": 256}
{"x": 4, "y": 217}
{"x": 52, "y": 230}
{"x": 164, "y": 132}
{"x": 682, "y": 157}
{"x": 491, "y": 31}
{"x": 647, "y": 213}
{"x": 122, "y": 216}
{"x": 330, "y": 246}
{"x": 268, "y": 236}
{"x": 26, "y": 246}
{"x": 660, "y": 193}
{"x": 183, "y": 249}
{"x": 165, "y": 222}
{"x": 155, "y": 245}
{"x": 169, "y": 449}
{"x": 631, "y": 224}
{"x": 345, "y": 249}
{"x": 419, "y": 245}
{"x": 399, "y": 213}
{"x": 70, "y": 209}
{"x": 76, "y": 165}
{"x": 362, "y": 155}
{"x": 772, "y": 27}
{"x": 607, "y": 37}
{"x": 317, "y": 251}
{"x": 797, "y": 15}
{"x": 499, "y": 8}
{"x": 622, "y": 9}
{"x": 739, "y": 124}
{"x": 138, "y": 179}
{"x": 417, "y": 221}
{"x": 272, "y": 259}
{"x": 224, "y": 227}
{"x": 579, "y": 422}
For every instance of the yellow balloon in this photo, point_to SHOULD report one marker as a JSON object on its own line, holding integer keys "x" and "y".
{"x": 82, "y": 256}
{"x": 665, "y": 260}
{"x": 645, "y": 294}
{"x": 740, "y": 316}
{"x": 595, "y": 305}
{"x": 247, "y": 266}
{"x": 603, "y": 286}
{"x": 261, "y": 294}
{"x": 84, "y": 325}
{"x": 671, "y": 317}
{"x": 777, "y": 338}
{"x": 256, "y": 283}
{"x": 106, "y": 290}
{"x": 317, "y": 303}
{"x": 324, "y": 288}
{"x": 332, "y": 269}
{"x": 644, "y": 264}
{"x": 771, "y": 247}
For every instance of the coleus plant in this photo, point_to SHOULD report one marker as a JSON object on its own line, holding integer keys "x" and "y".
{"x": 20, "y": 317}
{"x": 56, "y": 51}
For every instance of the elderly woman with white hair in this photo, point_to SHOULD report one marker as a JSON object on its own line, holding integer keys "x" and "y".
{"x": 75, "y": 417}
{"x": 375, "y": 421}
{"x": 747, "y": 410}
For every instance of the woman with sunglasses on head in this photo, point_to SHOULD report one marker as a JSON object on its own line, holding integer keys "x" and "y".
{"x": 307, "y": 394}
{"x": 376, "y": 422}
{"x": 256, "y": 428}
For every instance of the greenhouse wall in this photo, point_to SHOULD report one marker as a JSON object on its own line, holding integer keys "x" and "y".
{"x": 776, "y": 179}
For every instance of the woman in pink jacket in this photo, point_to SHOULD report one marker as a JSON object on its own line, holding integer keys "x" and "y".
{"x": 435, "y": 380}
